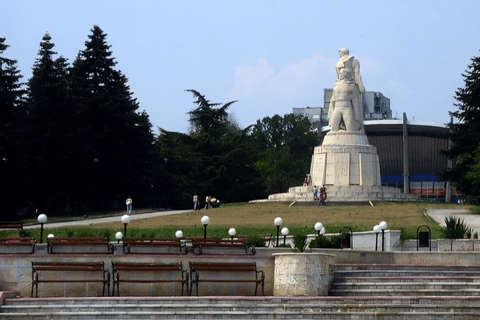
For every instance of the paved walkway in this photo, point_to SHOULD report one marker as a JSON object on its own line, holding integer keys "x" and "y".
{"x": 88, "y": 222}
{"x": 471, "y": 220}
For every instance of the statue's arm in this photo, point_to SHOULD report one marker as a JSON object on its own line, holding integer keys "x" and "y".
{"x": 358, "y": 77}
{"x": 331, "y": 108}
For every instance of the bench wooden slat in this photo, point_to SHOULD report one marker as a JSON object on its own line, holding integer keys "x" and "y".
{"x": 148, "y": 267}
{"x": 80, "y": 241}
{"x": 198, "y": 244}
{"x": 85, "y": 267}
{"x": 215, "y": 267}
{"x": 132, "y": 243}
{"x": 16, "y": 242}
{"x": 11, "y": 225}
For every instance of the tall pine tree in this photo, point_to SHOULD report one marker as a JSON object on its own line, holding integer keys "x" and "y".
{"x": 112, "y": 131}
{"x": 12, "y": 116}
{"x": 49, "y": 125}
{"x": 465, "y": 135}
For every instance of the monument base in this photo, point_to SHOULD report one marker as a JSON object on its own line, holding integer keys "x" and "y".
{"x": 350, "y": 170}
{"x": 346, "y": 194}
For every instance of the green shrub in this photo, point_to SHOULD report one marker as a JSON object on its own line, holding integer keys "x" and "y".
{"x": 255, "y": 241}
{"x": 326, "y": 242}
{"x": 300, "y": 242}
{"x": 456, "y": 228}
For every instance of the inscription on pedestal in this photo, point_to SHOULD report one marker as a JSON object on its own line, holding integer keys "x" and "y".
{"x": 342, "y": 169}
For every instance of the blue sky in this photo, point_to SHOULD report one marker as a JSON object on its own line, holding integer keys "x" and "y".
{"x": 271, "y": 56}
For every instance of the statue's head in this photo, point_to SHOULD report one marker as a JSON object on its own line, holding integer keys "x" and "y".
{"x": 343, "y": 52}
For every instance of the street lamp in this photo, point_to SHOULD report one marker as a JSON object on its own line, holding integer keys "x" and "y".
{"x": 205, "y": 221}
{"x": 118, "y": 236}
{"x": 377, "y": 230}
{"x": 125, "y": 221}
{"x": 318, "y": 227}
{"x": 383, "y": 225}
{"x": 278, "y": 222}
{"x": 42, "y": 219}
{"x": 285, "y": 233}
{"x": 179, "y": 234}
{"x": 232, "y": 232}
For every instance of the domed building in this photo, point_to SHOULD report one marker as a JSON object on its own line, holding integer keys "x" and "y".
{"x": 409, "y": 151}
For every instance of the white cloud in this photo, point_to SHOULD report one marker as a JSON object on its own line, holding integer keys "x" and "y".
{"x": 261, "y": 79}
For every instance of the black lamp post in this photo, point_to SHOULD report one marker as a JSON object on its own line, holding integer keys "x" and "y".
{"x": 205, "y": 221}
{"x": 232, "y": 232}
{"x": 285, "y": 232}
{"x": 278, "y": 222}
{"x": 42, "y": 219}
{"x": 318, "y": 227}
{"x": 125, "y": 221}
{"x": 383, "y": 225}
{"x": 118, "y": 236}
{"x": 377, "y": 230}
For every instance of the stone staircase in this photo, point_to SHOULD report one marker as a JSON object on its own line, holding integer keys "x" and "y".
{"x": 358, "y": 292}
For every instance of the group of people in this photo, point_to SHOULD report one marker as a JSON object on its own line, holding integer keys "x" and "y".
{"x": 210, "y": 202}
{"x": 307, "y": 180}
{"x": 321, "y": 195}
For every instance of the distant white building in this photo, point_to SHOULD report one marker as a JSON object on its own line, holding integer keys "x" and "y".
{"x": 375, "y": 107}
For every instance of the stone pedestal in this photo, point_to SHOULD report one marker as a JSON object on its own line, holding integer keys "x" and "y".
{"x": 302, "y": 274}
{"x": 345, "y": 159}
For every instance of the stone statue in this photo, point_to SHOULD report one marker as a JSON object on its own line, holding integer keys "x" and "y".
{"x": 346, "y": 112}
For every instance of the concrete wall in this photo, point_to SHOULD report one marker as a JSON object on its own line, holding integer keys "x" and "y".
{"x": 16, "y": 275}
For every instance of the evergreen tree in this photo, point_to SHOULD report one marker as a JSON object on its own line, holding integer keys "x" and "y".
{"x": 49, "y": 125}
{"x": 112, "y": 131}
{"x": 214, "y": 159}
{"x": 12, "y": 116}
{"x": 465, "y": 136}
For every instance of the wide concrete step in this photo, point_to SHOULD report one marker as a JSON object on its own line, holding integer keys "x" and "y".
{"x": 343, "y": 315}
{"x": 403, "y": 267}
{"x": 452, "y": 286}
{"x": 266, "y": 308}
{"x": 412, "y": 279}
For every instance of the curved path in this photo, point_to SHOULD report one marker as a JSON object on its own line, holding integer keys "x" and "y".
{"x": 88, "y": 222}
{"x": 471, "y": 220}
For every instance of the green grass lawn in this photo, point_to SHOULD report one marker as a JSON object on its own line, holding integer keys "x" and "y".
{"x": 254, "y": 218}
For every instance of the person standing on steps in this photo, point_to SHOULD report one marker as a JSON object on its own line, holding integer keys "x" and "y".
{"x": 129, "y": 205}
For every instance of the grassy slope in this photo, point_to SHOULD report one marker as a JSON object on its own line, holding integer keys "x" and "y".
{"x": 258, "y": 218}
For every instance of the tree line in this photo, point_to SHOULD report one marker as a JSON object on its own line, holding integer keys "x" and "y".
{"x": 73, "y": 141}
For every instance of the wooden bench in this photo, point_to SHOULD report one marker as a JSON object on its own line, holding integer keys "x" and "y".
{"x": 99, "y": 242}
{"x": 198, "y": 271}
{"x": 198, "y": 244}
{"x": 89, "y": 268}
{"x": 16, "y": 242}
{"x": 129, "y": 267}
{"x": 157, "y": 243}
{"x": 11, "y": 225}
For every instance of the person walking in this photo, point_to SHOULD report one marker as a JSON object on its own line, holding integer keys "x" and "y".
{"x": 315, "y": 193}
{"x": 196, "y": 202}
{"x": 129, "y": 205}
{"x": 322, "y": 197}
